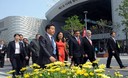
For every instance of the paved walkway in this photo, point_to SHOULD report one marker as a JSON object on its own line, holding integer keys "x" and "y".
{"x": 114, "y": 65}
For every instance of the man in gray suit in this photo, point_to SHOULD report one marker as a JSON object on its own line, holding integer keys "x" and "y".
{"x": 48, "y": 50}
{"x": 35, "y": 48}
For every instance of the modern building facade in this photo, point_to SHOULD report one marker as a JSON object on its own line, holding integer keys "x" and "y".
{"x": 97, "y": 9}
{"x": 28, "y": 26}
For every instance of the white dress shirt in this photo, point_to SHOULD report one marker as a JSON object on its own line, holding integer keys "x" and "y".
{"x": 54, "y": 44}
{"x": 17, "y": 48}
{"x": 1, "y": 46}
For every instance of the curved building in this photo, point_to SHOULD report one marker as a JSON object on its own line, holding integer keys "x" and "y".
{"x": 97, "y": 9}
{"x": 28, "y": 26}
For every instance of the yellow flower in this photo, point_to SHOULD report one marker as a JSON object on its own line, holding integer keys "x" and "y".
{"x": 102, "y": 66}
{"x": 36, "y": 65}
{"x": 117, "y": 74}
{"x": 59, "y": 63}
{"x": 23, "y": 69}
{"x": 86, "y": 74}
{"x": 49, "y": 65}
{"x": 91, "y": 73}
{"x": 12, "y": 71}
{"x": 99, "y": 70}
{"x": 88, "y": 63}
{"x": 63, "y": 71}
{"x": 87, "y": 66}
{"x": 99, "y": 74}
{"x": 79, "y": 72}
{"x": 36, "y": 70}
{"x": 41, "y": 75}
{"x": 75, "y": 68}
{"x": 51, "y": 70}
{"x": 96, "y": 61}
{"x": 26, "y": 76}
{"x": 104, "y": 76}
{"x": 57, "y": 69}
{"x": 67, "y": 63}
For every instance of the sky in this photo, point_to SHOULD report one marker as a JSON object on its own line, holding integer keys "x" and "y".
{"x": 32, "y": 8}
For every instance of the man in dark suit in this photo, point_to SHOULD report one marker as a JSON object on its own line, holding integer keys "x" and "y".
{"x": 48, "y": 50}
{"x": 113, "y": 50}
{"x": 16, "y": 53}
{"x": 35, "y": 48}
{"x": 28, "y": 50}
{"x": 75, "y": 48}
{"x": 88, "y": 48}
{"x": 3, "y": 50}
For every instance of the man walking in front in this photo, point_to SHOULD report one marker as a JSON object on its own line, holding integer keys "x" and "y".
{"x": 48, "y": 50}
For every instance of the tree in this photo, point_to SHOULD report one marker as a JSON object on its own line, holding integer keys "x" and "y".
{"x": 123, "y": 11}
{"x": 104, "y": 26}
{"x": 73, "y": 23}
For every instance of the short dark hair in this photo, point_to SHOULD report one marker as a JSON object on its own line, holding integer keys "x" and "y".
{"x": 48, "y": 26}
{"x": 112, "y": 32}
{"x": 16, "y": 34}
{"x": 37, "y": 35}
{"x": 76, "y": 31}
{"x": 20, "y": 35}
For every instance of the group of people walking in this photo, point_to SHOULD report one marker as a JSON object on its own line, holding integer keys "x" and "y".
{"x": 47, "y": 48}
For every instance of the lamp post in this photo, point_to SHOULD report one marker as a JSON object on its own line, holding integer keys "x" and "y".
{"x": 85, "y": 13}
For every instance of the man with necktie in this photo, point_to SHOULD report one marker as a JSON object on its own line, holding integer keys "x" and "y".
{"x": 48, "y": 50}
{"x": 75, "y": 48}
{"x": 88, "y": 48}
{"x": 113, "y": 50}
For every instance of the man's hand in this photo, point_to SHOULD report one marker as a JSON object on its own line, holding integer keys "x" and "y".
{"x": 85, "y": 55}
{"x": 52, "y": 59}
{"x": 2, "y": 51}
{"x": 26, "y": 57}
{"x": 113, "y": 51}
{"x": 70, "y": 57}
{"x": 7, "y": 59}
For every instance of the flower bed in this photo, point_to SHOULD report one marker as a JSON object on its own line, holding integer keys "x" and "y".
{"x": 63, "y": 70}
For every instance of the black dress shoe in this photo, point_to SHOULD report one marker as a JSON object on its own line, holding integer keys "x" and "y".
{"x": 109, "y": 67}
{"x": 123, "y": 67}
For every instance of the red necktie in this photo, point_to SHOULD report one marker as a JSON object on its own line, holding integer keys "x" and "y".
{"x": 78, "y": 41}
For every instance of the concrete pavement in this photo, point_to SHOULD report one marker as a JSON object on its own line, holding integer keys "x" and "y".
{"x": 114, "y": 65}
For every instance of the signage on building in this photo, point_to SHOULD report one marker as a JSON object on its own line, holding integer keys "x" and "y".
{"x": 68, "y": 3}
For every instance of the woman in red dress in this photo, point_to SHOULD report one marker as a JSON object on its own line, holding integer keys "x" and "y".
{"x": 61, "y": 45}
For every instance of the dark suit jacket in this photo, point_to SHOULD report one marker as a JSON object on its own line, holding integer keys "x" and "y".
{"x": 112, "y": 46}
{"x": 46, "y": 50}
{"x": 4, "y": 48}
{"x": 35, "y": 47}
{"x": 11, "y": 50}
{"x": 88, "y": 48}
{"x": 75, "y": 49}
{"x": 27, "y": 49}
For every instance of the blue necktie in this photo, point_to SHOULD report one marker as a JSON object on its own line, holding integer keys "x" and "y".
{"x": 54, "y": 45}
